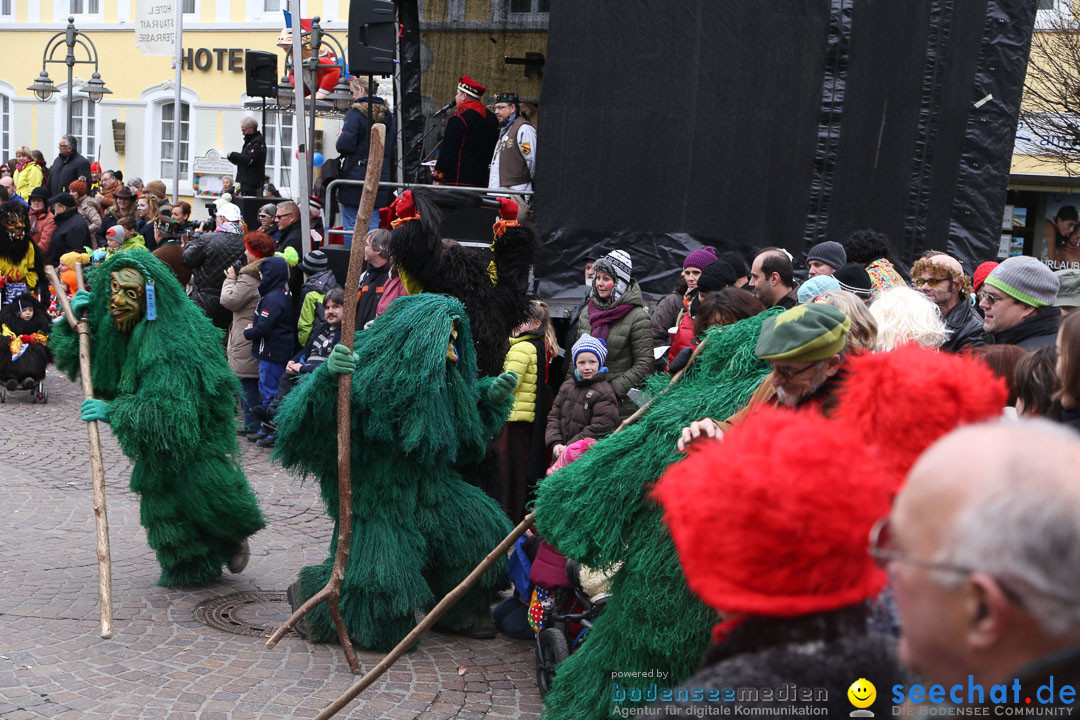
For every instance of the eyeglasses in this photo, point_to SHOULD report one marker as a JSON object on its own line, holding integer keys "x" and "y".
{"x": 932, "y": 282}
{"x": 884, "y": 552}
{"x": 991, "y": 299}
{"x": 789, "y": 374}
{"x": 265, "y": 215}
{"x": 286, "y": 215}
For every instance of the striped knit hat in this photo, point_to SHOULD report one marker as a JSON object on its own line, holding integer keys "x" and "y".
{"x": 618, "y": 265}
{"x": 590, "y": 344}
{"x": 1026, "y": 279}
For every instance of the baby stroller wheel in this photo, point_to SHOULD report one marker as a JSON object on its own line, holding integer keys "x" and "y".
{"x": 551, "y": 649}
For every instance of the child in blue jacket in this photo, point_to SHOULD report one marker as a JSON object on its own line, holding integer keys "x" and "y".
{"x": 273, "y": 329}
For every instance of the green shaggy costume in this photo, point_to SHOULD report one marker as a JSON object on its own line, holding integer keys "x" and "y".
{"x": 418, "y": 528}
{"x": 597, "y": 511}
{"x": 171, "y": 403}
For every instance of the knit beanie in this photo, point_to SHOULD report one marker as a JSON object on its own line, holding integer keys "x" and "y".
{"x": 1069, "y": 290}
{"x": 700, "y": 258}
{"x": 77, "y": 186}
{"x": 117, "y": 233}
{"x": 981, "y": 273}
{"x": 717, "y": 275}
{"x": 588, "y": 343}
{"x": 829, "y": 252}
{"x": 618, "y": 265}
{"x": 817, "y": 285}
{"x": 854, "y": 279}
{"x": 753, "y": 567}
{"x": 1026, "y": 279}
{"x": 805, "y": 333}
{"x": 314, "y": 262}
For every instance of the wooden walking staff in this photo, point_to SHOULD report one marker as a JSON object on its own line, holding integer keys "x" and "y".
{"x": 97, "y": 467}
{"x": 331, "y": 593}
{"x": 454, "y": 595}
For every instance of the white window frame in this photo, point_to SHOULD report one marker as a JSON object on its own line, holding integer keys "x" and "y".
{"x": 274, "y": 149}
{"x": 1056, "y": 17}
{"x": 7, "y": 146}
{"x": 156, "y": 97}
{"x": 165, "y": 147}
{"x": 62, "y": 10}
{"x": 9, "y": 16}
{"x": 196, "y": 14}
{"x": 60, "y": 120}
{"x": 533, "y": 14}
{"x": 257, "y": 12}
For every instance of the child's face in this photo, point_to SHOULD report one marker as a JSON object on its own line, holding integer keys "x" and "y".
{"x": 26, "y": 313}
{"x": 587, "y": 365}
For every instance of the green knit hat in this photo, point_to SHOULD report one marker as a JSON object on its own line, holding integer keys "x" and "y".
{"x": 805, "y": 333}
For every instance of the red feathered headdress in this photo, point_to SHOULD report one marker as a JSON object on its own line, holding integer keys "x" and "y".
{"x": 775, "y": 519}
{"x": 508, "y": 214}
{"x": 402, "y": 210}
{"x": 904, "y": 400}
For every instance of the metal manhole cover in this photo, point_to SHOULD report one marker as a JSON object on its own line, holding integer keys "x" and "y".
{"x": 253, "y": 614}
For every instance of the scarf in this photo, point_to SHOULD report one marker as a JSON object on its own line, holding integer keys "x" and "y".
{"x": 602, "y": 320}
{"x": 235, "y": 228}
{"x": 474, "y": 105}
{"x": 505, "y": 124}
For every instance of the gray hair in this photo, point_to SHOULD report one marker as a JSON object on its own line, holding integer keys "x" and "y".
{"x": 1025, "y": 533}
{"x": 288, "y": 205}
{"x": 269, "y": 208}
{"x": 72, "y": 141}
{"x": 135, "y": 182}
{"x": 250, "y": 123}
{"x": 379, "y": 240}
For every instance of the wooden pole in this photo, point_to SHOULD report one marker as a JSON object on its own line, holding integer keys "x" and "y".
{"x": 454, "y": 595}
{"x": 97, "y": 467}
{"x": 331, "y": 593}
{"x": 430, "y": 619}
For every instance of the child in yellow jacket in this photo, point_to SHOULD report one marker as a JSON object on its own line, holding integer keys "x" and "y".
{"x": 522, "y": 463}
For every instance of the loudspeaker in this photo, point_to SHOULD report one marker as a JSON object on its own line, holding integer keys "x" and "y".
{"x": 260, "y": 71}
{"x": 337, "y": 258}
{"x": 372, "y": 36}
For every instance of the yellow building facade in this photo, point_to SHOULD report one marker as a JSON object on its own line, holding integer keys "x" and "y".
{"x": 131, "y": 128}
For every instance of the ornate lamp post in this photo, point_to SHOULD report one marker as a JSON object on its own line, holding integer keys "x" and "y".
{"x": 43, "y": 88}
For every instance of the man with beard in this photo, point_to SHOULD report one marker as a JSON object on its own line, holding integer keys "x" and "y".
{"x": 806, "y": 347}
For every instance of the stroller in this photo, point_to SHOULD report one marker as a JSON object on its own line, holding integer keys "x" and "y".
{"x": 24, "y": 356}
{"x": 561, "y": 612}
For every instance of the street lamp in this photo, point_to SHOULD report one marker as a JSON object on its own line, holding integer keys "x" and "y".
{"x": 43, "y": 88}
{"x": 285, "y": 93}
{"x": 341, "y": 96}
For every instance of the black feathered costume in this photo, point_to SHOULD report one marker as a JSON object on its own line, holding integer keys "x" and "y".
{"x": 20, "y": 263}
{"x": 493, "y": 287}
{"x": 23, "y": 352}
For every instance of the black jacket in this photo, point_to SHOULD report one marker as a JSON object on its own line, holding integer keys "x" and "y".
{"x": 965, "y": 327}
{"x": 352, "y": 146}
{"x": 467, "y": 147}
{"x": 71, "y": 233}
{"x": 250, "y": 164}
{"x": 208, "y": 256}
{"x": 273, "y": 329}
{"x": 292, "y": 237}
{"x": 65, "y": 170}
{"x": 318, "y": 347}
{"x": 1037, "y": 331}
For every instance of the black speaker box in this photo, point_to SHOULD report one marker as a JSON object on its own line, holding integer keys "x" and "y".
{"x": 260, "y": 71}
{"x": 372, "y": 37}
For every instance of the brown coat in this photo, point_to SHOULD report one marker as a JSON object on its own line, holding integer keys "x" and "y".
{"x": 240, "y": 295}
{"x": 172, "y": 255}
{"x": 582, "y": 409}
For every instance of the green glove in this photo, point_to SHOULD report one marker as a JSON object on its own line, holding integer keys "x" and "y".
{"x": 503, "y": 386}
{"x": 341, "y": 360}
{"x": 93, "y": 409}
{"x": 79, "y": 302}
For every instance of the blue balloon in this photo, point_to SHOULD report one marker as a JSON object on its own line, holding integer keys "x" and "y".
{"x": 317, "y": 159}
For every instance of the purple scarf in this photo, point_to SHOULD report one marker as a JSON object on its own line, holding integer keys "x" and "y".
{"x": 602, "y": 320}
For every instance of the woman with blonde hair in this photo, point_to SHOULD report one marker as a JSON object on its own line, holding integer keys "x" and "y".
{"x": 862, "y": 337}
{"x": 904, "y": 316}
{"x": 28, "y": 173}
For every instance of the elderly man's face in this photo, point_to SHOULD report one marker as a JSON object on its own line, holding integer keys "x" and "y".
{"x": 108, "y": 180}
{"x": 796, "y": 381}
{"x": 64, "y": 146}
{"x": 286, "y": 216}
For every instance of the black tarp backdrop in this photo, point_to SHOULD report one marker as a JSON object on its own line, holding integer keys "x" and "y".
{"x": 744, "y": 124}
{"x": 410, "y": 111}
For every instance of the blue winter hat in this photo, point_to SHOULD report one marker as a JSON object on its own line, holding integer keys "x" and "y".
{"x": 588, "y": 343}
{"x": 817, "y": 285}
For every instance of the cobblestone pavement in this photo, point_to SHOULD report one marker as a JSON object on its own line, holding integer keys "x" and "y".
{"x": 162, "y": 662}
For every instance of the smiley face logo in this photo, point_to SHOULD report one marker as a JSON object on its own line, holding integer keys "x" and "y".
{"x": 862, "y": 694}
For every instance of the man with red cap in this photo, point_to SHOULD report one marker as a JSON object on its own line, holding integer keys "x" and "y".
{"x": 469, "y": 141}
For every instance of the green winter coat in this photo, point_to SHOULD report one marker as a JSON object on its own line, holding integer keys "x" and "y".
{"x": 629, "y": 343}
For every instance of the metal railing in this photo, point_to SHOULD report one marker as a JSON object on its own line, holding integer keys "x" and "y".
{"x": 332, "y": 205}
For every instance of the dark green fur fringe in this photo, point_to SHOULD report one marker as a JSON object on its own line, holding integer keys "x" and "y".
{"x": 597, "y": 511}
{"x": 172, "y": 401}
{"x": 418, "y": 528}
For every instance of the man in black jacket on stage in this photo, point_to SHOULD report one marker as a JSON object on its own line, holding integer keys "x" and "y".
{"x": 471, "y": 134}
{"x": 250, "y": 162}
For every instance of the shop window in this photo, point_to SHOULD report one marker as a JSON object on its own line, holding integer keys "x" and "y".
{"x": 167, "y": 136}
{"x": 279, "y": 150}
{"x": 84, "y": 127}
